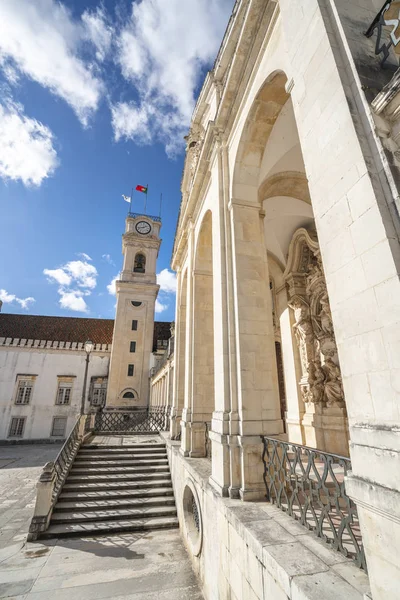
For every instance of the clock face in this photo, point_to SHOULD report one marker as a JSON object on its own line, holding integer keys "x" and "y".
{"x": 143, "y": 227}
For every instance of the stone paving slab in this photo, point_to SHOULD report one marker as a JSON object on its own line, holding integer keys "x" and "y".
{"x": 133, "y": 566}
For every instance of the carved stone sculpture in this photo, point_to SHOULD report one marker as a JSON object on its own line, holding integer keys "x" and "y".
{"x": 321, "y": 381}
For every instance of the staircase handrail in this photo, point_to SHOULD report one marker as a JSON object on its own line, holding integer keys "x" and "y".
{"x": 53, "y": 476}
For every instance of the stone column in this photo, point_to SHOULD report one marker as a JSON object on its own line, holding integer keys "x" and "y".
{"x": 292, "y": 371}
{"x": 258, "y": 394}
{"x": 188, "y": 389}
{"x": 223, "y": 308}
{"x": 178, "y": 380}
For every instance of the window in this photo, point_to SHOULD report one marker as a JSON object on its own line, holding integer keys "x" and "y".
{"x": 98, "y": 391}
{"x": 136, "y": 303}
{"x": 134, "y": 325}
{"x": 128, "y": 395}
{"x": 140, "y": 263}
{"x": 24, "y": 391}
{"x": 59, "y": 426}
{"x": 133, "y": 347}
{"x": 131, "y": 368}
{"x": 17, "y": 427}
{"x": 64, "y": 392}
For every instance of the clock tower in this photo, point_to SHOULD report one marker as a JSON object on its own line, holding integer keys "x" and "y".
{"x": 137, "y": 289}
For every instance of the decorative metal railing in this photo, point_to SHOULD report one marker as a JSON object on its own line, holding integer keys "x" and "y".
{"x": 66, "y": 456}
{"x": 142, "y": 420}
{"x": 134, "y": 215}
{"x": 309, "y": 486}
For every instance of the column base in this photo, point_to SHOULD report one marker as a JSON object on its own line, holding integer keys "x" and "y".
{"x": 326, "y": 428}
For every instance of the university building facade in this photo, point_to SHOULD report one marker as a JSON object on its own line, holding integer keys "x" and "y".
{"x": 287, "y": 258}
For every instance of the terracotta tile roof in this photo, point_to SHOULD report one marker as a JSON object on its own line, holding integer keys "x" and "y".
{"x": 68, "y": 329}
{"x": 62, "y": 329}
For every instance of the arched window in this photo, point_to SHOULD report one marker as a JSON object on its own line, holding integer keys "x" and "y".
{"x": 140, "y": 263}
{"x": 128, "y": 395}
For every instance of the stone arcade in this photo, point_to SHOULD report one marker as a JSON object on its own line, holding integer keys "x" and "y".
{"x": 288, "y": 314}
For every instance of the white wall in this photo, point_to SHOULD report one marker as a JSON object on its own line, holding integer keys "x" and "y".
{"x": 47, "y": 365}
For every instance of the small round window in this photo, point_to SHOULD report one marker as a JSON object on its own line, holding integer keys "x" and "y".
{"x": 136, "y": 303}
{"x": 193, "y": 521}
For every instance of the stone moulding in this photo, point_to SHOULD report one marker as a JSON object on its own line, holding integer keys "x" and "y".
{"x": 52, "y": 344}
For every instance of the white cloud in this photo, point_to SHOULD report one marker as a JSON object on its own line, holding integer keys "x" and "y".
{"x": 167, "y": 281}
{"x": 58, "y": 275}
{"x": 160, "y": 307}
{"x": 108, "y": 259}
{"x": 72, "y": 300}
{"x": 162, "y": 51}
{"x": 111, "y": 286}
{"x": 98, "y": 31}
{"x": 25, "y": 302}
{"x": 77, "y": 273}
{"x": 42, "y": 40}
{"x": 10, "y": 298}
{"x": 26, "y": 146}
{"x": 84, "y": 255}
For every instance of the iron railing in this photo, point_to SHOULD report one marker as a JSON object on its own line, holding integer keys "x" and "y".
{"x": 141, "y": 420}
{"x": 309, "y": 486}
{"x": 88, "y": 423}
{"x": 66, "y": 457}
{"x": 134, "y": 215}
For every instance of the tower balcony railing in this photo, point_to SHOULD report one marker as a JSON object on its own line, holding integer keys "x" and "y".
{"x": 309, "y": 485}
{"x": 133, "y": 215}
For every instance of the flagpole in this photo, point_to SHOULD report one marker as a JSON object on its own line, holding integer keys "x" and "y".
{"x": 160, "y": 205}
{"x": 145, "y": 200}
{"x": 130, "y": 204}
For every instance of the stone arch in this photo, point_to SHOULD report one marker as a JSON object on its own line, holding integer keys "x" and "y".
{"x": 260, "y": 121}
{"x": 139, "y": 265}
{"x": 203, "y": 338}
{"x": 133, "y": 395}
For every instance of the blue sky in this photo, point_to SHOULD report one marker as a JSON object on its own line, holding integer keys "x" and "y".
{"x": 95, "y": 98}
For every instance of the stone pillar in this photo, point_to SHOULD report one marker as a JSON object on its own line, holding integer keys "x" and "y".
{"x": 43, "y": 506}
{"x": 188, "y": 388}
{"x": 292, "y": 371}
{"x": 258, "y": 394}
{"x": 223, "y": 308}
{"x": 178, "y": 380}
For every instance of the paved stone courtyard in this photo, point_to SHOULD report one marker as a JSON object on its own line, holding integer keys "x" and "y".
{"x": 147, "y": 566}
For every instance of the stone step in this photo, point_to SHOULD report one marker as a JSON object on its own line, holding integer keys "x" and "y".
{"x": 119, "y": 485}
{"x": 117, "y": 470}
{"x": 109, "y": 527}
{"x": 124, "y": 448}
{"x": 112, "y": 504}
{"x": 113, "y": 460}
{"x": 112, "y": 477}
{"x": 104, "y": 464}
{"x": 143, "y": 512}
{"x": 117, "y": 494}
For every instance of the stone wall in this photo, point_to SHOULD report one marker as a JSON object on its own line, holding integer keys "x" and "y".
{"x": 47, "y": 361}
{"x": 253, "y": 551}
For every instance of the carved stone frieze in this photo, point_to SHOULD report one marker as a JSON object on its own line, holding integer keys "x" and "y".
{"x": 321, "y": 381}
{"x": 194, "y": 142}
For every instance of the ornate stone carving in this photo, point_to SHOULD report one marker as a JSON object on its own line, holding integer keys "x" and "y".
{"x": 321, "y": 381}
{"x": 194, "y": 142}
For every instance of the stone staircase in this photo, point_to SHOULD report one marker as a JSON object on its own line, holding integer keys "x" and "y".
{"x": 115, "y": 489}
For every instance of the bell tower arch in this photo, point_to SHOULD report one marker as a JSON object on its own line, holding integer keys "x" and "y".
{"x": 137, "y": 289}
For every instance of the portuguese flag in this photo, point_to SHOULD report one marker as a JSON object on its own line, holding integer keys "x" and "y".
{"x": 141, "y": 188}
